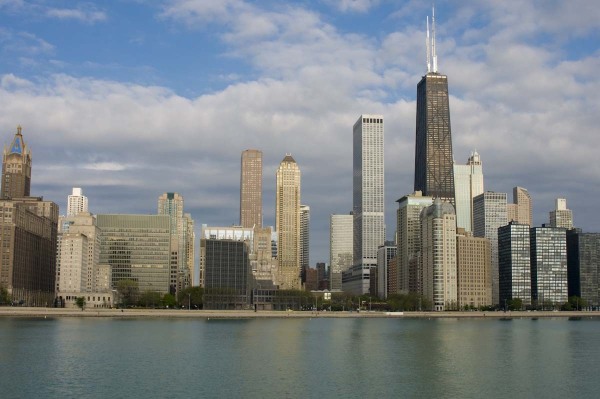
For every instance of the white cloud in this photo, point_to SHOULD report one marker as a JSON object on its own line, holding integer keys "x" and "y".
{"x": 87, "y": 14}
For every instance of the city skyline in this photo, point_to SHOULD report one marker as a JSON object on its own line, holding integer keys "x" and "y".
{"x": 125, "y": 128}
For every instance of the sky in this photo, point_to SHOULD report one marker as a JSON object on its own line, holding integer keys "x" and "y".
{"x": 129, "y": 99}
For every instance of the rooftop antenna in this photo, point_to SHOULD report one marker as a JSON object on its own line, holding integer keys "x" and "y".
{"x": 434, "y": 55}
{"x": 427, "y": 47}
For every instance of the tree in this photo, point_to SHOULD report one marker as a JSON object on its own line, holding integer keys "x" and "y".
{"x": 191, "y": 296}
{"x": 149, "y": 299}
{"x": 128, "y": 291}
{"x": 80, "y": 302}
{"x": 168, "y": 300}
{"x": 515, "y": 304}
{"x": 4, "y": 296}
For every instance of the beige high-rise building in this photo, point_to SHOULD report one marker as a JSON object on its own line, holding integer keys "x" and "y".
{"x": 251, "y": 189}
{"x": 438, "y": 255}
{"x": 182, "y": 240}
{"x": 287, "y": 219}
{"x": 561, "y": 216}
{"x": 521, "y": 210}
{"x": 16, "y": 169}
{"x": 473, "y": 256}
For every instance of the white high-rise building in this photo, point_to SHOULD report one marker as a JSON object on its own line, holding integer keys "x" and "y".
{"x": 468, "y": 183}
{"x": 340, "y": 248}
{"x": 489, "y": 213}
{"x": 77, "y": 202}
{"x": 440, "y": 278}
{"x": 561, "y": 216}
{"x": 304, "y": 239}
{"x": 368, "y": 201}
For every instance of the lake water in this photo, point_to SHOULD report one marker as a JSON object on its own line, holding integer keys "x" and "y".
{"x": 299, "y": 358}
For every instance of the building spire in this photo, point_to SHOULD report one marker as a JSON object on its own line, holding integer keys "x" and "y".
{"x": 433, "y": 52}
{"x": 427, "y": 48}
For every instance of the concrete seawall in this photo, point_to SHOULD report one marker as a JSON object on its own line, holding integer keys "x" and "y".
{"x": 246, "y": 314}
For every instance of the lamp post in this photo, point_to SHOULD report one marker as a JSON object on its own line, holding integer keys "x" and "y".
{"x": 189, "y": 301}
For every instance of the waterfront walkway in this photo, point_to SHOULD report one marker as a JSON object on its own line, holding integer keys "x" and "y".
{"x": 243, "y": 314}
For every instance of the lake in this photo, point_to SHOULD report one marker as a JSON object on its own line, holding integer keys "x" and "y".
{"x": 299, "y": 358}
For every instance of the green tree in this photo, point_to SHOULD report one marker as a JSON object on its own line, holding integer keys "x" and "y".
{"x": 4, "y": 296}
{"x": 128, "y": 291}
{"x": 191, "y": 296}
{"x": 149, "y": 299}
{"x": 168, "y": 300}
{"x": 576, "y": 303}
{"x": 80, "y": 302}
{"x": 515, "y": 304}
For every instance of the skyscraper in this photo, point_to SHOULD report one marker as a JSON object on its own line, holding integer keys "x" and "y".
{"x": 438, "y": 224}
{"x": 521, "y": 210}
{"x": 514, "y": 263}
{"x": 583, "y": 266}
{"x": 287, "y": 219}
{"x": 473, "y": 268}
{"x": 561, "y": 216}
{"x": 16, "y": 169}
{"x": 468, "y": 181}
{"x": 182, "y": 240}
{"x": 434, "y": 173}
{"x": 251, "y": 189}
{"x": 489, "y": 213}
{"x": 28, "y": 232}
{"x": 368, "y": 200}
{"x": 340, "y": 248}
{"x": 409, "y": 272}
{"x": 304, "y": 240}
{"x": 548, "y": 265}
{"x": 76, "y": 202}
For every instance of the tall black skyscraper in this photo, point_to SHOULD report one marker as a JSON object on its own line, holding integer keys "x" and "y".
{"x": 434, "y": 174}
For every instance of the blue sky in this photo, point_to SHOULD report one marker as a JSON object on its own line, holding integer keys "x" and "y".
{"x": 129, "y": 99}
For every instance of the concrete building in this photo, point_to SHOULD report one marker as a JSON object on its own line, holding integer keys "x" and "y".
{"x": 561, "y": 216}
{"x": 368, "y": 201}
{"x": 304, "y": 240}
{"x": 182, "y": 240}
{"x": 521, "y": 210}
{"x": 583, "y": 266}
{"x": 77, "y": 202}
{"x": 385, "y": 254}
{"x": 489, "y": 213}
{"x": 340, "y": 248}
{"x": 251, "y": 189}
{"x": 28, "y": 232}
{"x": 409, "y": 273}
{"x": 438, "y": 224}
{"x": 138, "y": 248}
{"x": 514, "y": 263}
{"x": 287, "y": 219}
{"x": 548, "y": 266}
{"x": 434, "y": 162}
{"x": 468, "y": 183}
{"x": 473, "y": 261}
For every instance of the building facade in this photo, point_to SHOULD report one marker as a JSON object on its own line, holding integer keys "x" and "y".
{"x": 548, "y": 266}
{"x": 340, "y": 248}
{"x": 251, "y": 189}
{"x": 16, "y": 169}
{"x": 182, "y": 240}
{"x": 583, "y": 266}
{"x": 514, "y": 263}
{"x": 561, "y": 216}
{"x": 137, "y": 248}
{"x": 468, "y": 183}
{"x": 385, "y": 254}
{"x": 304, "y": 240}
{"x": 438, "y": 234}
{"x": 473, "y": 258}
{"x": 287, "y": 219}
{"x": 368, "y": 201}
{"x": 77, "y": 202}
{"x": 489, "y": 213}
{"x": 521, "y": 210}
{"x": 409, "y": 272}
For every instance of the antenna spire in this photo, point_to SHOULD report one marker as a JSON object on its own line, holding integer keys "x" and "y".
{"x": 427, "y": 48}
{"x": 433, "y": 53}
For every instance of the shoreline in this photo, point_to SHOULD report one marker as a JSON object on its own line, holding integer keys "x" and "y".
{"x": 262, "y": 314}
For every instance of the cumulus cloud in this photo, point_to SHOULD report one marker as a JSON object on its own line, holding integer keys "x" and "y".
{"x": 522, "y": 103}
